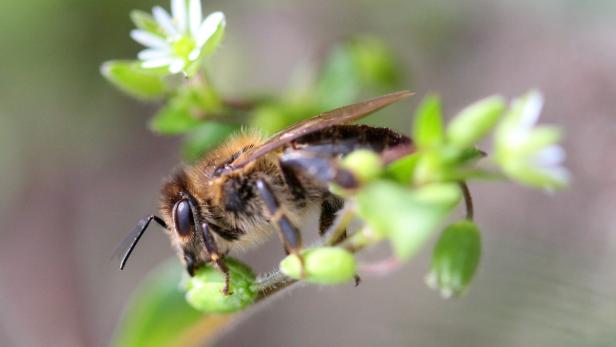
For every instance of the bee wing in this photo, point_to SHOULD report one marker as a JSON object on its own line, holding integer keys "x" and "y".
{"x": 345, "y": 114}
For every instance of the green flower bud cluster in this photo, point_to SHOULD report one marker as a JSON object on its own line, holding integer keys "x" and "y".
{"x": 322, "y": 265}
{"x": 204, "y": 291}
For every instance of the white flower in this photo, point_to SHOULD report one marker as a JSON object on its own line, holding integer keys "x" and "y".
{"x": 527, "y": 152}
{"x": 182, "y": 38}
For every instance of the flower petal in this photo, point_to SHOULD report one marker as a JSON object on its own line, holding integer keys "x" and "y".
{"x": 176, "y": 65}
{"x": 164, "y": 20}
{"x": 533, "y": 104}
{"x": 154, "y": 63}
{"x": 194, "y": 54}
{"x": 194, "y": 16}
{"x": 209, "y": 27}
{"x": 153, "y": 54}
{"x": 549, "y": 156}
{"x": 178, "y": 9}
{"x": 148, "y": 39}
{"x": 559, "y": 174}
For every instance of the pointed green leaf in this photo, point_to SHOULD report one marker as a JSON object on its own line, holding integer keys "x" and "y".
{"x": 428, "y": 128}
{"x": 475, "y": 121}
{"x": 134, "y": 80}
{"x": 402, "y": 170}
{"x": 407, "y": 217}
{"x": 175, "y": 118}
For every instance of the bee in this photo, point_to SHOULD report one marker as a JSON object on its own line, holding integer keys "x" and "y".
{"x": 251, "y": 188}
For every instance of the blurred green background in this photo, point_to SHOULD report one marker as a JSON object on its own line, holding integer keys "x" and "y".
{"x": 80, "y": 167}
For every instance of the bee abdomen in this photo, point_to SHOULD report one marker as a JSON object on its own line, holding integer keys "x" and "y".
{"x": 343, "y": 139}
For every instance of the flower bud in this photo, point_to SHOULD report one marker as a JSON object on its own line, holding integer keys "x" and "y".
{"x": 365, "y": 164}
{"x": 474, "y": 122}
{"x": 455, "y": 259}
{"x": 205, "y": 289}
{"x": 324, "y": 265}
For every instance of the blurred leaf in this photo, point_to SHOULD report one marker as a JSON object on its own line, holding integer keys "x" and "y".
{"x": 204, "y": 138}
{"x": 134, "y": 80}
{"x": 145, "y": 21}
{"x": 205, "y": 289}
{"x": 322, "y": 265}
{"x": 375, "y": 63}
{"x": 361, "y": 65}
{"x": 174, "y": 118}
{"x": 406, "y": 217}
{"x": 455, "y": 259}
{"x": 339, "y": 82}
{"x": 470, "y": 154}
{"x": 187, "y": 110}
{"x": 402, "y": 169}
{"x": 428, "y": 128}
{"x": 274, "y": 116}
{"x": 441, "y": 195}
{"x": 430, "y": 167}
{"x": 475, "y": 121}
{"x": 157, "y": 313}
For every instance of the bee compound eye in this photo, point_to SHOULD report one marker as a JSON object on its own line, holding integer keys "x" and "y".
{"x": 183, "y": 218}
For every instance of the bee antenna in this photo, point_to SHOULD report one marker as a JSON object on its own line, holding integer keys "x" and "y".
{"x": 131, "y": 240}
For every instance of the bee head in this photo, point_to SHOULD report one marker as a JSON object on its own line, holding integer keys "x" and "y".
{"x": 187, "y": 228}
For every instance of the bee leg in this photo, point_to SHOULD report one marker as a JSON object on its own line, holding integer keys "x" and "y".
{"x": 323, "y": 169}
{"x": 288, "y": 232}
{"x": 220, "y": 264}
{"x": 215, "y": 257}
{"x": 330, "y": 207}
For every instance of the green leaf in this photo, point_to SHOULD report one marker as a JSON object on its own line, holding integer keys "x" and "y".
{"x": 428, "y": 128}
{"x": 322, "y": 265}
{"x": 374, "y": 62}
{"x": 271, "y": 117}
{"x": 407, "y": 217}
{"x": 204, "y": 138}
{"x": 174, "y": 118}
{"x": 430, "y": 167}
{"x": 470, "y": 154}
{"x": 205, "y": 289}
{"x": 187, "y": 110}
{"x": 475, "y": 121}
{"x": 131, "y": 78}
{"x": 145, "y": 21}
{"x": 339, "y": 82}
{"x": 455, "y": 259}
{"x": 157, "y": 313}
{"x": 402, "y": 170}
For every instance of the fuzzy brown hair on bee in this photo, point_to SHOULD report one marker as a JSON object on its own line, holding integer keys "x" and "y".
{"x": 251, "y": 188}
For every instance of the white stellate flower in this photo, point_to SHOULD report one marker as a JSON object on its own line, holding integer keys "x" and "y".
{"x": 183, "y": 37}
{"x": 527, "y": 152}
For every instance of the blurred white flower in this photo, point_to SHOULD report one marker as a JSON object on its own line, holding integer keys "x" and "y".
{"x": 529, "y": 153}
{"x": 182, "y": 38}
